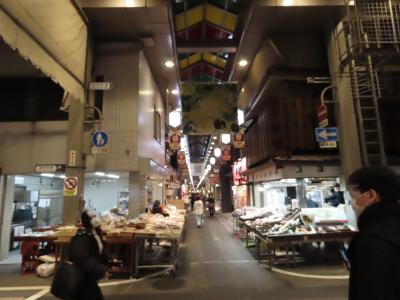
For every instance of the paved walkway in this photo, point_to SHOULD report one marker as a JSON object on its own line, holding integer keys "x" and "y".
{"x": 215, "y": 266}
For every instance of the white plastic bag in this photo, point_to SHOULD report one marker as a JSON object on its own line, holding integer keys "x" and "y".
{"x": 45, "y": 270}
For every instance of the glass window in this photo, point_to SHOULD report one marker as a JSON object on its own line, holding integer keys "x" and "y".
{"x": 157, "y": 125}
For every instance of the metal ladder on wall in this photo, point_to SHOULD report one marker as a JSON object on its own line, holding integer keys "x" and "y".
{"x": 365, "y": 89}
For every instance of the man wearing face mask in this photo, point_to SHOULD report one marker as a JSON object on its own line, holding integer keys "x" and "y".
{"x": 374, "y": 251}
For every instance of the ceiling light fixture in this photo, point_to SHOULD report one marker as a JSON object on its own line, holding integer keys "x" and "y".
{"x": 47, "y": 175}
{"x": 169, "y": 64}
{"x": 217, "y": 152}
{"x": 113, "y": 176}
{"x": 174, "y": 92}
{"x": 100, "y": 173}
{"x": 288, "y": 2}
{"x": 214, "y": 137}
{"x": 129, "y": 3}
{"x": 243, "y": 63}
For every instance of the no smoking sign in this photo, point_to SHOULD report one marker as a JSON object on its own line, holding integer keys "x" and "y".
{"x": 70, "y": 186}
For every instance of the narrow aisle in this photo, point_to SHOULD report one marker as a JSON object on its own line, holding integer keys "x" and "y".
{"x": 215, "y": 266}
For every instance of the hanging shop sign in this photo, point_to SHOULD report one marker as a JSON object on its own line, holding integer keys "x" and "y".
{"x": 70, "y": 186}
{"x": 323, "y": 115}
{"x": 46, "y": 168}
{"x": 100, "y": 141}
{"x": 226, "y": 152}
{"x": 174, "y": 138}
{"x": 238, "y": 140}
{"x": 181, "y": 158}
{"x": 239, "y": 167}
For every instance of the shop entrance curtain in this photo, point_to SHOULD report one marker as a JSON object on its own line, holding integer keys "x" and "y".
{"x": 51, "y": 35}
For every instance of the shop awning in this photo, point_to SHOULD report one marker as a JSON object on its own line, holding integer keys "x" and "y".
{"x": 295, "y": 167}
{"x": 51, "y": 35}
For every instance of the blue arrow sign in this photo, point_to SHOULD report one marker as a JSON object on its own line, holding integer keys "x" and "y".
{"x": 329, "y": 134}
{"x": 100, "y": 139}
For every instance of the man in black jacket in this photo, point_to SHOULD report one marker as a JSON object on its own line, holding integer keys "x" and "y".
{"x": 375, "y": 251}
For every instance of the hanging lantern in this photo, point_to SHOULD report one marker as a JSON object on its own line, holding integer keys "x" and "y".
{"x": 174, "y": 118}
{"x": 217, "y": 152}
{"x": 225, "y": 138}
{"x": 212, "y": 160}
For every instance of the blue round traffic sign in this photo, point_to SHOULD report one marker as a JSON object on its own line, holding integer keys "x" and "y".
{"x": 100, "y": 139}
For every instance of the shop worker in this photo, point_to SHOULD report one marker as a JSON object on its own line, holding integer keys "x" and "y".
{"x": 86, "y": 253}
{"x": 158, "y": 209}
{"x": 374, "y": 252}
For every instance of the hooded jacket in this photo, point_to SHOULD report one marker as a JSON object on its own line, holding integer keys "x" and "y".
{"x": 375, "y": 254}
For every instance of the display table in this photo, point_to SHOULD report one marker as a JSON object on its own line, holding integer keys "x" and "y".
{"x": 32, "y": 247}
{"x": 273, "y": 242}
{"x": 173, "y": 237}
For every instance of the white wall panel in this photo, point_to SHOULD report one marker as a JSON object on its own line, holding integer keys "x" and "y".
{"x": 149, "y": 95}
{"x": 104, "y": 195}
{"x": 25, "y": 144}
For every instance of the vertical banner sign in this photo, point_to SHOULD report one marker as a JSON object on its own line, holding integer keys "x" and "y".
{"x": 238, "y": 140}
{"x": 323, "y": 115}
{"x": 181, "y": 158}
{"x": 226, "y": 152}
{"x": 174, "y": 138}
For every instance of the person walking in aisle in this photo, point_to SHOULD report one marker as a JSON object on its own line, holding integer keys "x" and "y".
{"x": 199, "y": 211}
{"x": 374, "y": 252}
{"x": 211, "y": 205}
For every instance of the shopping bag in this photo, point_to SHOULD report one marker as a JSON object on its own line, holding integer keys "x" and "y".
{"x": 67, "y": 280}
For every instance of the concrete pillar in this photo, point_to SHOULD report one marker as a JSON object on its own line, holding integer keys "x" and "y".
{"x": 226, "y": 188}
{"x": 75, "y": 161}
{"x": 6, "y": 213}
{"x": 301, "y": 193}
{"x": 137, "y": 194}
{"x": 350, "y": 154}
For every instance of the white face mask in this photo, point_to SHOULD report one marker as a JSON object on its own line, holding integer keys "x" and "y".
{"x": 358, "y": 209}
{"x": 95, "y": 222}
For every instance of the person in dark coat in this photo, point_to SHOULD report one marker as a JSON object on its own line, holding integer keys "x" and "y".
{"x": 211, "y": 205}
{"x": 374, "y": 252}
{"x": 86, "y": 251}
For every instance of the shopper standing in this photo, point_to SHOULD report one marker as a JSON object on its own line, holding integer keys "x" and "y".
{"x": 374, "y": 252}
{"x": 211, "y": 205}
{"x": 199, "y": 211}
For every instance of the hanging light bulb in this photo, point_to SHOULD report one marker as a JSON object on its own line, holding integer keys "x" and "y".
{"x": 212, "y": 160}
{"x": 226, "y": 138}
{"x": 217, "y": 152}
{"x": 209, "y": 167}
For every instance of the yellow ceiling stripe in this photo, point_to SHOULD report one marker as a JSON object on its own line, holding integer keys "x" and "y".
{"x": 215, "y": 60}
{"x": 221, "y": 17}
{"x": 180, "y": 22}
{"x": 215, "y": 15}
{"x": 192, "y": 59}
